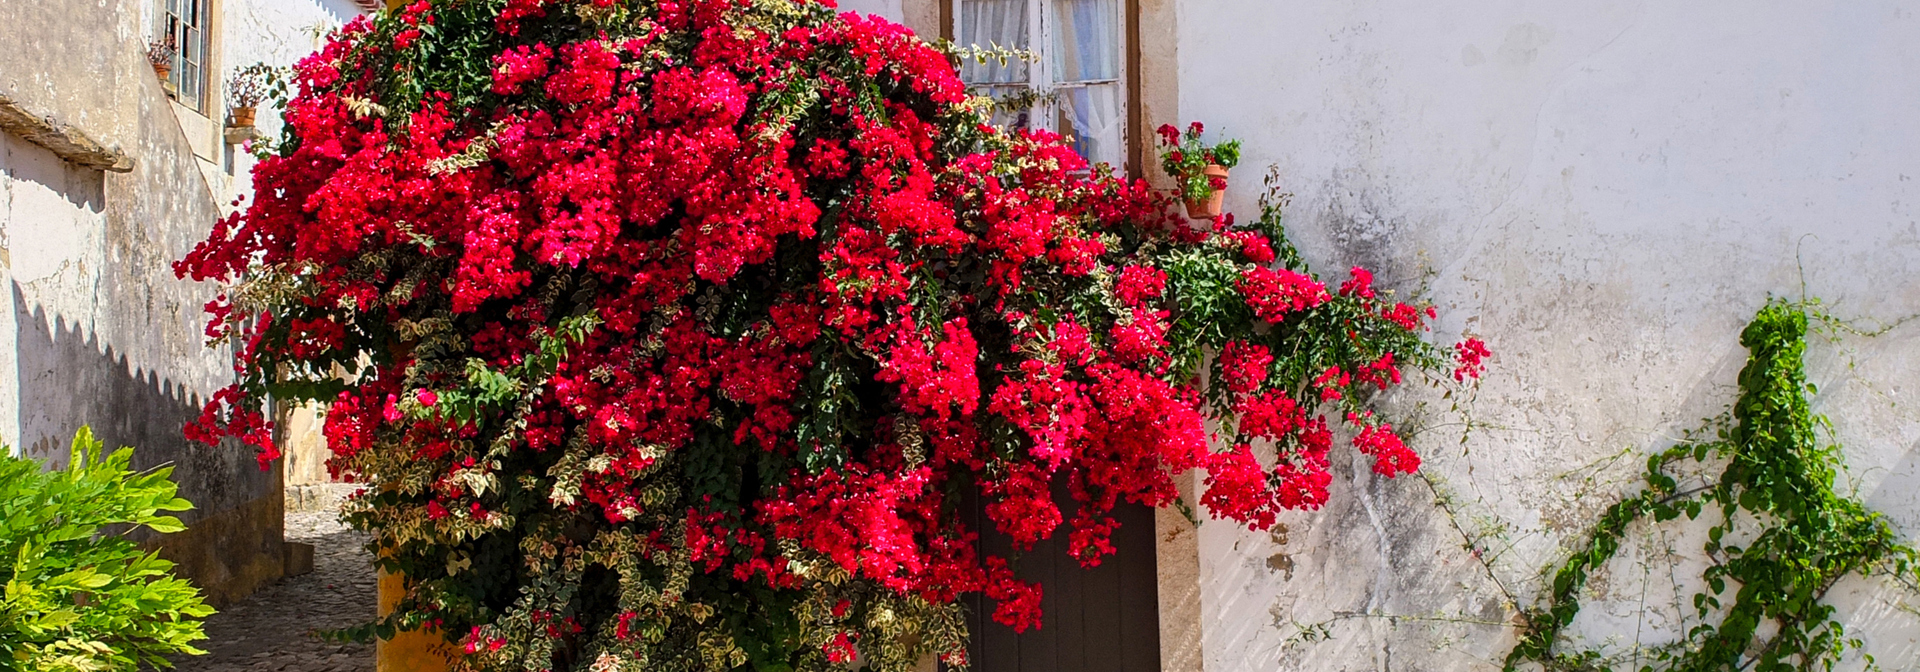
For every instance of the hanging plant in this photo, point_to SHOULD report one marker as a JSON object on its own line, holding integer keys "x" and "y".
{"x": 1199, "y": 170}
{"x": 678, "y": 333}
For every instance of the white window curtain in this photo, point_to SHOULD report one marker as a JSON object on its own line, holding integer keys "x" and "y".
{"x": 1086, "y": 63}
{"x": 1077, "y": 82}
{"x": 1086, "y": 40}
{"x": 1094, "y": 111}
{"x": 990, "y": 23}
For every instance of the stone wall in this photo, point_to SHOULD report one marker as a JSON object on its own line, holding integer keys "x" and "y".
{"x": 1605, "y": 191}
{"x": 95, "y": 328}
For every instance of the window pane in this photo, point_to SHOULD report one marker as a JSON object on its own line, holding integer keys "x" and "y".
{"x": 195, "y": 59}
{"x": 184, "y": 26}
{"x": 177, "y": 39}
{"x": 1013, "y": 106}
{"x": 988, "y": 23}
{"x": 1093, "y": 122}
{"x": 1086, "y": 40}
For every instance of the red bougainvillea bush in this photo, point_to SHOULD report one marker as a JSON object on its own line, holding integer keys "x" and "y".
{"x": 672, "y": 335}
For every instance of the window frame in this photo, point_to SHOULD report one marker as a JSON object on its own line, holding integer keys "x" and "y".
{"x": 191, "y": 78}
{"x": 1041, "y": 76}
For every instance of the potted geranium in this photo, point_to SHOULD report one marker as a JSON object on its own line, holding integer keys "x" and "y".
{"x": 245, "y": 90}
{"x": 1199, "y": 170}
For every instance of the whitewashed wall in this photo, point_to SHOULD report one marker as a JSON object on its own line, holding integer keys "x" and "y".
{"x": 52, "y": 219}
{"x": 922, "y": 16}
{"x": 278, "y": 33}
{"x": 1605, "y": 191}
{"x": 890, "y": 10}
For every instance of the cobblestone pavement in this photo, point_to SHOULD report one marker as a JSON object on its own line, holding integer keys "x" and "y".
{"x": 272, "y": 630}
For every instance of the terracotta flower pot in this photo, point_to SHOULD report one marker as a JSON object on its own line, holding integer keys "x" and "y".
{"x": 242, "y": 116}
{"x": 1209, "y": 208}
{"x": 163, "y": 70}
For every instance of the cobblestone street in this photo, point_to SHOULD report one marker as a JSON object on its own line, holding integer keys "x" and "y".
{"x": 275, "y": 628}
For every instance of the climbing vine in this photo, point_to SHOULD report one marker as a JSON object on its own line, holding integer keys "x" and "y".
{"x": 1783, "y": 537}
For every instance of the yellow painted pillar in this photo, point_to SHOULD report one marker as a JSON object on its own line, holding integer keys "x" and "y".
{"x": 412, "y": 651}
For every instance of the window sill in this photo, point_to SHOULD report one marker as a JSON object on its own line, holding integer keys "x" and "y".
{"x": 238, "y": 135}
{"x": 202, "y": 133}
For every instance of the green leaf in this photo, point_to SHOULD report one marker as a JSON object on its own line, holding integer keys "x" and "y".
{"x": 54, "y": 620}
{"x": 166, "y": 525}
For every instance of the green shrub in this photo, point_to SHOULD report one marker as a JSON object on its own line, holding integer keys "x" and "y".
{"x": 80, "y": 597}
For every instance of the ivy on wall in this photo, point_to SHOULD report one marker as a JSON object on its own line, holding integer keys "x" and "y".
{"x": 1782, "y": 539}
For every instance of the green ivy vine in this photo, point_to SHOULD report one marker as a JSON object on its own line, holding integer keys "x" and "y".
{"x": 1782, "y": 540}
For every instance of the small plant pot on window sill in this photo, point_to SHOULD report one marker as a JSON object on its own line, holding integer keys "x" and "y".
{"x": 242, "y": 117}
{"x": 1209, "y": 208}
{"x": 163, "y": 70}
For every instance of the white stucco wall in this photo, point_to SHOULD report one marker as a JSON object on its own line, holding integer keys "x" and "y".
{"x": 52, "y": 220}
{"x": 278, "y": 33}
{"x": 1605, "y": 191}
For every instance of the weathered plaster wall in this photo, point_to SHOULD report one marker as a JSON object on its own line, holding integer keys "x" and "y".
{"x": 890, "y": 10}
{"x": 51, "y": 45}
{"x": 94, "y": 328}
{"x": 1605, "y": 191}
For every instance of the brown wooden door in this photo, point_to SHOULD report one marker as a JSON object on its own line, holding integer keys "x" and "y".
{"x": 1106, "y": 619}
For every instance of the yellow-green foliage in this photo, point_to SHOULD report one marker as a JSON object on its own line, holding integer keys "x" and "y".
{"x": 78, "y": 598}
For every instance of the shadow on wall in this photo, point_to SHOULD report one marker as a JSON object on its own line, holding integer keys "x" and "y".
{"x": 68, "y": 378}
{"x": 24, "y": 163}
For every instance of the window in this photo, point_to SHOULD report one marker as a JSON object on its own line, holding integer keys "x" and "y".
{"x": 185, "y": 23}
{"x": 1075, "y": 86}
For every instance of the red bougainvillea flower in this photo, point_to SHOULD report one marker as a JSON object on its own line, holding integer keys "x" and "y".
{"x": 693, "y": 334}
{"x": 1471, "y": 355}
